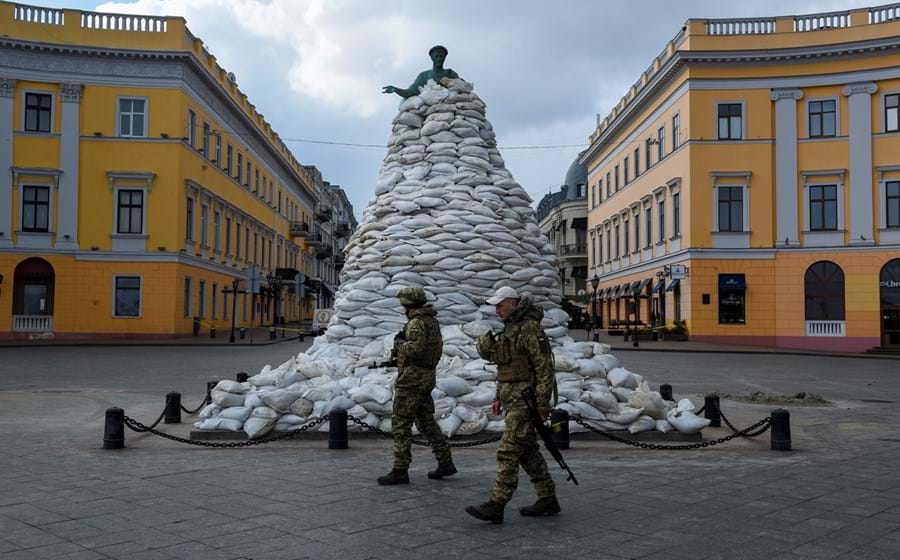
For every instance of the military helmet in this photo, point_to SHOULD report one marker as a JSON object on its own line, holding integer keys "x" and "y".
{"x": 412, "y": 297}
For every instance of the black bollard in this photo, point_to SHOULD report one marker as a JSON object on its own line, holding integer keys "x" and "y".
{"x": 172, "y": 414}
{"x": 665, "y": 391}
{"x": 781, "y": 430}
{"x": 711, "y": 410}
{"x": 114, "y": 429}
{"x": 337, "y": 429}
{"x": 272, "y": 333}
{"x": 559, "y": 422}
{"x": 243, "y": 333}
{"x": 212, "y": 332}
{"x": 196, "y": 327}
{"x": 241, "y": 377}
{"x": 596, "y": 336}
{"x": 210, "y": 385}
{"x": 302, "y": 336}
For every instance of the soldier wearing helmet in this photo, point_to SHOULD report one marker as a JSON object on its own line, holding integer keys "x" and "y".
{"x": 417, "y": 348}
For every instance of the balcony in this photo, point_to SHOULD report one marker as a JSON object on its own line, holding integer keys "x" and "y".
{"x": 339, "y": 260}
{"x": 323, "y": 212}
{"x": 826, "y": 328}
{"x": 572, "y": 251}
{"x": 314, "y": 239}
{"x": 323, "y": 251}
{"x": 299, "y": 230}
{"x": 32, "y": 323}
{"x": 342, "y": 230}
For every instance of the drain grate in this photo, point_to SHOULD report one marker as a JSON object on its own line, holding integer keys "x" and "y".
{"x": 877, "y": 401}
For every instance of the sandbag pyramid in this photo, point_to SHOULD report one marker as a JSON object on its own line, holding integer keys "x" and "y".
{"x": 448, "y": 217}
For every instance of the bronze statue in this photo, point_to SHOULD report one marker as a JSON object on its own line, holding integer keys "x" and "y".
{"x": 438, "y": 54}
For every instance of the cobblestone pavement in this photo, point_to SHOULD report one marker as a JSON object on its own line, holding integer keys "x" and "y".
{"x": 61, "y": 496}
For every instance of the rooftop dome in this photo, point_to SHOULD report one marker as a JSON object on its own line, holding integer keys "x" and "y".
{"x": 576, "y": 175}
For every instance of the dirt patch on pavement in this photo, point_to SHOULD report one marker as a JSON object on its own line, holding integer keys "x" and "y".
{"x": 798, "y": 399}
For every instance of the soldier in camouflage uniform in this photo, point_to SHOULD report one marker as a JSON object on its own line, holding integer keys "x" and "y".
{"x": 523, "y": 357}
{"x": 417, "y": 349}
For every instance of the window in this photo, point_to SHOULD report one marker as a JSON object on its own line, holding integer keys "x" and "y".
{"x": 229, "y": 160}
{"x": 648, "y": 152}
{"x": 599, "y": 192}
{"x": 192, "y": 129}
{"x": 608, "y": 252}
{"x": 617, "y": 241}
{"x": 676, "y": 131}
{"x": 822, "y": 119}
{"x": 202, "y": 297}
{"x": 204, "y": 225}
{"x": 637, "y": 233}
{"x": 649, "y": 218}
{"x": 731, "y": 208}
{"x": 661, "y": 143}
{"x": 594, "y": 196}
{"x": 824, "y": 292}
{"x": 36, "y": 209}
{"x": 279, "y": 201}
{"x": 132, "y": 117}
{"x": 228, "y": 235}
{"x": 617, "y": 178}
{"x": 237, "y": 240}
{"x": 38, "y": 112}
{"x": 732, "y": 298}
{"x": 249, "y": 169}
{"x": 256, "y": 185}
{"x": 206, "y": 132}
{"x": 127, "y": 296}
{"x": 892, "y": 112}
{"x": 225, "y": 304}
{"x": 676, "y": 214}
{"x": 892, "y": 204}
{"x": 600, "y": 249}
{"x": 217, "y": 226}
{"x": 637, "y": 162}
{"x": 255, "y": 248}
{"x": 627, "y": 238}
{"x": 240, "y": 169}
{"x": 823, "y": 207}
{"x": 218, "y": 149}
{"x": 215, "y": 290}
{"x": 131, "y": 211}
{"x": 187, "y": 297}
{"x": 189, "y": 229}
{"x": 661, "y": 205}
{"x": 730, "y": 121}
{"x": 247, "y": 244}
{"x": 608, "y": 185}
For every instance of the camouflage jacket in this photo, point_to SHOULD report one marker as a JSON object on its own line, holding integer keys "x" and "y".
{"x": 419, "y": 349}
{"x": 523, "y": 357}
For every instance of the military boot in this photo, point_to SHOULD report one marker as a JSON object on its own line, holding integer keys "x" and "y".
{"x": 488, "y": 511}
{"x": 442, "y": 470}
{"x": 544, "y": 506}
{"x": 394, "y": 477}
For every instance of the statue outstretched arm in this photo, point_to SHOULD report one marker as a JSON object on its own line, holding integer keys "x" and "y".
{"x": 413, "y": 89}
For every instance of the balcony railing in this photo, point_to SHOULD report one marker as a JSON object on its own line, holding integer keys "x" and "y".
{"x": 818, "y": 22}
{"x": 881, "y": 14}
{"x": 32, "y": 323}
{"x": 342, "y": 229}
{"x": 37, "y": 14}
{"x": 314, "y": 238}
{"x": 323, "y": 251}
{"x": 339, "y": 260}
{"x": 323, "y": 212}
{"x": 572, "y": 250}
{"x": 749, "y": 26}
{"x": 123, "y": 22}
{"x": 825, "y": 328}
{"x": 300, "y": 229}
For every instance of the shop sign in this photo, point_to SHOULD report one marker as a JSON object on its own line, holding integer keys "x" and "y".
{"x": 732, "y": 282}
{"x": 678, "y": 271}
{"x": 890, "y": 284}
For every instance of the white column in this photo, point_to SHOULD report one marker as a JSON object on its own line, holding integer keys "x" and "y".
{"x": 787, "y": 231}
{"x": 7, "y": 124}
{"x": 861, "y": 203}
{"x": 67, "y": 208}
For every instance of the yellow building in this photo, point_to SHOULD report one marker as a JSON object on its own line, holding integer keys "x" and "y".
{"x": 142, "y": 183}
{"x": 749, "y": 184}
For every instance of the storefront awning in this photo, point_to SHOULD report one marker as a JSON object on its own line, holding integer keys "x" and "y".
{"x": 673, "y": 284}
{"x": 578, "y": 223}
{"x": 732, "y": 282}
{"x": 658, "y": 288}
{"x": 634, "y": 289}
{"x": 642, "y": 286}
{"x": 604, "y": 294}
{"x": 614, "y": 292}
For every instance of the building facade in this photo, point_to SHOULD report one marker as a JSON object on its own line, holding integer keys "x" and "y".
{"x": 142, "y": 182}
{"x": 748, "y": 184}
{"x": 562, "y": 216}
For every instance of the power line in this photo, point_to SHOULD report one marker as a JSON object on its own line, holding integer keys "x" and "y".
{"x": 382, "y": 146}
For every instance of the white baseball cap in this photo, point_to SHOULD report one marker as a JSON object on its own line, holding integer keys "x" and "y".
{"x": 503, "y": 293}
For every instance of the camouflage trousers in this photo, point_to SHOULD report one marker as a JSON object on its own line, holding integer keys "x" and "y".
{"x": 519, "y": 446}
{"x": 416, "y": 406}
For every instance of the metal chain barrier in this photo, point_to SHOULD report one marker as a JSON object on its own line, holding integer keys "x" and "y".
{"x": 200, "y": 406}
{"x": 144, "y": 428}
{"x": 389, "y": 435}
{"x": 763, "y": 425}
{"x": 136, "y": 426}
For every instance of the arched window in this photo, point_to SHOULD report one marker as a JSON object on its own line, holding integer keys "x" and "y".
{"x": 824, "y": 290}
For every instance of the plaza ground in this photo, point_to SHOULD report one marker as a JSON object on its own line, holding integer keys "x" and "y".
{"x": 62, "y": 496}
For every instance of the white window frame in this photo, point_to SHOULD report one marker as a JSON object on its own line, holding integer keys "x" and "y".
{"x": 188, "y": 304}
{"x": 140, "y": 314}
{"x": 886, "y": 174}
{"x": 204, "y": 225}
{"x": 191, "y": 229}
{"x": 884, "y": 112}
{"x": 204, "y": 142}
{"x": 636, "y": 217}
{"x": 192, "y": 128}
{"x": 837, "y": 118}
{"x": 659, "y": 197}
{"x": 731, "y": 239}
{"x": 52, "y": 95}
{"x": 217, "y": 230}
{"x": 743, "y": 105}
{"x": 676, "y": 143}
{"x": 825, "y": 238}
{"x": 146, "y": 130}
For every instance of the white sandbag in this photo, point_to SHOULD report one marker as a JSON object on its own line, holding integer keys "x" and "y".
{"x": 454, "y": 386}
{"x": 210, "y": 410}
{"x": 348, "y": 383}
{"x": 444, "y": 406}
{"x": 580, "y": 349}
{"x": 239, "y": 413}
{"x": 302, "y": 407}
{"x": 591, "y": 367}
{"x": 642, "y": 424}
{"x": 686, "y": 421}
{"x": 625, "y": 415}
{"x": 258, "y": 427}
{"x": 564, "y": 361}
{"x": 650, "y": 401}
{"x": 569, "y": 391}
{"x": 267, "y": 376}
{"x": 569, "y": 407}
{"x": 622, "y": 394}
{"x": 606, "y": 425}
{"x": 385, "y": 425}
{"x": 253, "y": 400}
{"x": 377, "y": 378}
{"x": 291, "y": 377}
{"x": 477, "y": 398}
{"x": 466, "y": 413}
{"x": 226, "y": 400}
{"x": 370, "y": 392}
{"x": 576, "y": 428}
{"x": 340, "y": 402}
{"x": 314, "y": 369}
{"x": 449, "y": 425}
{"x": 220, "y": 424}
{"x": 232, "y": 387}
{"x": 473, "y": 426}
{"x": 280, "y": 399}
{"x": 601, "y": 349}
{"x": 621, "y": 377}
{"x": 563, "y": 376}
{"x": 589, "y": 411}
{"x": 381, "y": 409}
{"x": 609, "y": 361}
{"x": 497, "y": 426}
{"x": 605, "y": 401}
{"x": 322, "y": 393}
{"x": 663, "y": 426}
{"x": 685, "y": 405}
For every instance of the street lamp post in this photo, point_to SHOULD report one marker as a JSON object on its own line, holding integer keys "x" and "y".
{"x": 234, "y": 291}
{"x": 595, "y": 283}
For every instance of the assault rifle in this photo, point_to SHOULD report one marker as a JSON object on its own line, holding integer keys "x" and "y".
{"x": 392, "y": 362}
{"x": 530, "y": 400}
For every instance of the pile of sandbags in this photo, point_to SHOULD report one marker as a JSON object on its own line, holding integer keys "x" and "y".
{"x": 447, "y": 217}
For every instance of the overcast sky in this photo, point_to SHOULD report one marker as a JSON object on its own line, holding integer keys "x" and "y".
{"x": 314, "y": 68}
